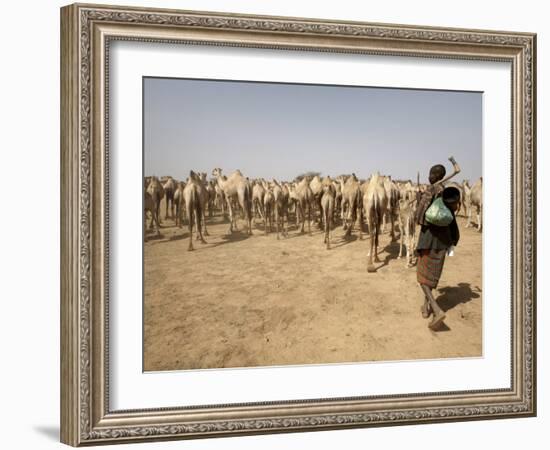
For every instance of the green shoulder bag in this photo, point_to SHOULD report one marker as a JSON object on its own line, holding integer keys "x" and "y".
{"x": 438, "y": 214}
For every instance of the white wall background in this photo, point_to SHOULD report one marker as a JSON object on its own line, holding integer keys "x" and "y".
{"x": 29, "y": 229}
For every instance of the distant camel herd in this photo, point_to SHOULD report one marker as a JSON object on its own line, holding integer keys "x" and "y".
{"x": 377, "y": 201}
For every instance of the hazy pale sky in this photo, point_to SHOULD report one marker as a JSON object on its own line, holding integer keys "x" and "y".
{"x": 277, "y": 130}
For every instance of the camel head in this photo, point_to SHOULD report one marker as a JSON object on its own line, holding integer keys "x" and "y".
{"x": 193, "y": 176}
{"x": 217, "y": 172}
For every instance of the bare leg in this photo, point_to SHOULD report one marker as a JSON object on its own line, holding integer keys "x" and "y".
{"x": 439, "y": 315}
{"x": 426, "y": 309}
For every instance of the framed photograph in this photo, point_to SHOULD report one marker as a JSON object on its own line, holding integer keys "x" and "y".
{"x": 275, "y": 224}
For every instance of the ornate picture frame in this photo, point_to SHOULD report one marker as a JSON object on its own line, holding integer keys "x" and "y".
{"x": 86, "y": 34}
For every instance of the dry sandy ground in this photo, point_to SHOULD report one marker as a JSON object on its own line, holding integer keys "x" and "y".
{"x": 242, "y": 301}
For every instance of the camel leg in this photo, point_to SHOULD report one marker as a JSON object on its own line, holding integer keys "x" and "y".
{"x": 409, "y": 251}
{"x": 401, "y": 241}
{"x": 157, "y": 224}
{"x": 152, "y": 222}
{"x": 329, "y": 220}
{"x": 376, "y": 259}
{"x": 370, "y": 265}
{"x": 277, "y": 220}
{"x": 198, "y": 226}
{"x": 360, "y": 217}
{"x": 479, "y": 218}
{"x": 249, "y": 219}
{"x": 301, "y": 213}
{"x": 309, "y": 218}
{"x": 145, "y": 226}
{"x": 230, "y": 211}
{"x": 392, "y": 218}
{"x": 200, "y": 237}
{"x": 321, "y": 219}
{"x": 204, "y": 222}
{"x": 343, "y": 214}
{"x": 190, "y": 220}
{"x": 347, "y": 225}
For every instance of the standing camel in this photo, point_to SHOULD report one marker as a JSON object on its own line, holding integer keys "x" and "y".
{"x": 169, "y": 191}
{"x": 220, "y": 200}
{"x": 327, "y": 208}
{"x": 351, "y": 198}
{"x": 303, "y": 198}
{"x": 476, "y": 201}
{"x": 236, "y": 186}
{"x": 337, "y": 197}
{"x": 156, "y": 191}
{"x": 193, "y": 205}
{"x": 269, "y": 203}
{"x": 204, "y": 198}
{"x": 407, "y": 228}
{"x": 467, "y": 189}
{"x": 149, "y": 206}
{"x": 392, "y": 193}
{"x": 258, "y": 193}
{"x": 280, "y": 197}
{"x": 180, "y": 203}
{"x": 316, "y": 187}
{"x": 375, "y": 202}
{"x": 211, "y": 189}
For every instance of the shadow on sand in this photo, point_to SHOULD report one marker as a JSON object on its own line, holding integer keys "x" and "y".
{"x": 451, "y": 296}
{"x": 236, "y": 236}
{"x": 344, "y": 240}
{"x": 392, "y": 250}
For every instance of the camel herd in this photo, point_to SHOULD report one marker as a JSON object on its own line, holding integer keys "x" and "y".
{"x": 355, "y": 204}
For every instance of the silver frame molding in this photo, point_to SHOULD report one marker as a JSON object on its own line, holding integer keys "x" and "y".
{"x": 86, "y": 32}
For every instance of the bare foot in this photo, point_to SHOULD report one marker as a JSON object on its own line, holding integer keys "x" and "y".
{"x": 438, "y": 318}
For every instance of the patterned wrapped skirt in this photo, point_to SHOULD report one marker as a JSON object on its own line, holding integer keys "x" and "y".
{"x": 430, "y": 266}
